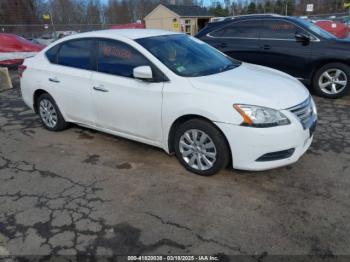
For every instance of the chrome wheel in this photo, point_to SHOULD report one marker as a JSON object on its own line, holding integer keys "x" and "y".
{"x": 333, "y": 81}
{"x": 48, "y": 113}
{"x": 197, "y": 149}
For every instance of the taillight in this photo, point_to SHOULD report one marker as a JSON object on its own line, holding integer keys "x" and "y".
{"x": 21, "y": 69}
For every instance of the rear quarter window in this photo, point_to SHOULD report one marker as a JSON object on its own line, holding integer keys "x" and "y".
{"x": 51, "y": 54}
{"x": 243, "y": 29}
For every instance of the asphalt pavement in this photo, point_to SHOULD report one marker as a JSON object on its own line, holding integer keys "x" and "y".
{"x": 85, "y": 192}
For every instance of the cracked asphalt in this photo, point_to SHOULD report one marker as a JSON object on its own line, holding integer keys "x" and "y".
{"x": 81, "y": 192}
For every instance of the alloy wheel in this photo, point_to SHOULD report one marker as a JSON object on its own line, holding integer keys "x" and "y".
{"x": 197, "y": 149}
{"x": 48, "y": 113}
{"x": 333, "y": 81}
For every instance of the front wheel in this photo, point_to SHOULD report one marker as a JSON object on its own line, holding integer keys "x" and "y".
{"x": 201, "y": 148}
{"x": 332, "y": 80}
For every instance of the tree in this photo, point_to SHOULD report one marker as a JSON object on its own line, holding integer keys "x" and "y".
{"x": 218, "y": 10}
{"x": 279, "y": 7}
{"x": 251, "y": 8}
{"x": 290, "y": 7}
{"x": 260, "y": 8}
{"x": 269, "y": 7}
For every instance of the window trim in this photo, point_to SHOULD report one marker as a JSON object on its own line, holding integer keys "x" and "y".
{"x": 160, "y": 76}
{"x": 313, "y": 37}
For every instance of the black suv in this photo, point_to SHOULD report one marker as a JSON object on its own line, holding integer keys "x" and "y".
{"x": 293, "y": 45}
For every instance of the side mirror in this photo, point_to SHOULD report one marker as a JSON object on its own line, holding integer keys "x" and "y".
{"x": 143, "y": 72}
{"x": 302, "y": 37}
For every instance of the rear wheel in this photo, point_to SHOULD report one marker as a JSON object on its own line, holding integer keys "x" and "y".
{"x": 49, "y": 113}
{"x": 201, "y": 148}
{"x": 332, "y": 80}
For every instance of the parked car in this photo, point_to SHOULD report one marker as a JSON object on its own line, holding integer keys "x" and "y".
{"x": 44, "y": 39}
{"x": 49, "y": 38}
{"x": 13, "y": 49}
{"x": 138, "y": 25}
{"x": 175, "y": 92}
{"x": 338, "y": 29}
{"x": 292, "y": 45}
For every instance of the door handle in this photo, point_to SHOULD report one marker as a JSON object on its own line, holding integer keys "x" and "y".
{"x": 100, "y": 89}
{"x": 54, "y": 80}
{"x": 266, "y": 47}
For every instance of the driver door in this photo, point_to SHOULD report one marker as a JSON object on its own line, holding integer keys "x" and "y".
{"x": 126, "y": 105}
{"x": 281, "y": 50}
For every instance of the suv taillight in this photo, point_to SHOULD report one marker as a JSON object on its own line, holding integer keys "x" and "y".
{"x": 21, "y": 69}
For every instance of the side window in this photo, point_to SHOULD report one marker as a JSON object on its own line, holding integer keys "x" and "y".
{"x": 244, "y": 29}
{"x": 278, "y": 29}
{"x": 51, "y": 54}
{"x": 118, "y": 58}
{"x": 76, "y": 53}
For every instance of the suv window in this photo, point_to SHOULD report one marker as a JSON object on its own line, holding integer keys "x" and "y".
{"x": 51, "y": 54}
{"x": 278, "y": 29}
{"x": 243, "y": 29}
{"x": 118, "y": 58}
{"x": 76, "y": 53}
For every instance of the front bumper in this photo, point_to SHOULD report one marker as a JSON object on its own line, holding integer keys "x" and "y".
{"x": 249, "y": 144}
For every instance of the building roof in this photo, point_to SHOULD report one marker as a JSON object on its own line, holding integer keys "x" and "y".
{"x": 189, "y": 10}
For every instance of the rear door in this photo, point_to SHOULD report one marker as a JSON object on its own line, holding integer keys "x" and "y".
{"x": 70, "y": 80}
{"x": 239, "y": 40}
{"x": 281, "y": 51}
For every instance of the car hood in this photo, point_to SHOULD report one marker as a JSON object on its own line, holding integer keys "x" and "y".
{"x": 255, "y": 85}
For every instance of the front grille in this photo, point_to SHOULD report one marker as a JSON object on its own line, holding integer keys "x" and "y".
{"x": 304, "y": 112}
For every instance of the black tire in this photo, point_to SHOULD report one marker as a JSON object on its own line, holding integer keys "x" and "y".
{"x": 61, "y": 124}
{"x": 336, "y": 66}
{"x": 222, "y": 149}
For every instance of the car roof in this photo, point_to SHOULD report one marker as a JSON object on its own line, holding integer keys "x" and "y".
{"x": 125, "y": 33}
{"x": 228, "y": 20}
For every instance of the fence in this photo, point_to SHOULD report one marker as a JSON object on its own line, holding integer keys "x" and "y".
{"x": 36, "y": 30}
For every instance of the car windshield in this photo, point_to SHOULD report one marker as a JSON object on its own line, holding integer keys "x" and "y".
{"x": 187, "y": 56}
{"x": 317, "y": 30}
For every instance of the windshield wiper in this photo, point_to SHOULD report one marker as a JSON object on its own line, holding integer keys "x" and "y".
{"x": 227, "y": 67}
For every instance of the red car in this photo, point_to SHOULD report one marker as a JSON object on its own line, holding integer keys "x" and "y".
{"x": 340, "y": 30}
{"x": 14, "y": 49}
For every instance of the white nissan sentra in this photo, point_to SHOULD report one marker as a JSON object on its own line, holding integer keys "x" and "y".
{"x": 175, "y": 92}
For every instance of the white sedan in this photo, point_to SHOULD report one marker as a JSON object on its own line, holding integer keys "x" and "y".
{"x": 175, "y": 92}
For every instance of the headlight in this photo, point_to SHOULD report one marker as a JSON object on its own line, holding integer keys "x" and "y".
{"x": 256, "y": 116}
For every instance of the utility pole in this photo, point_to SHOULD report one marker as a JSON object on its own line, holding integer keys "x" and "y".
{"x": 286, "y": 7}
{"x": 53, "y": 25}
